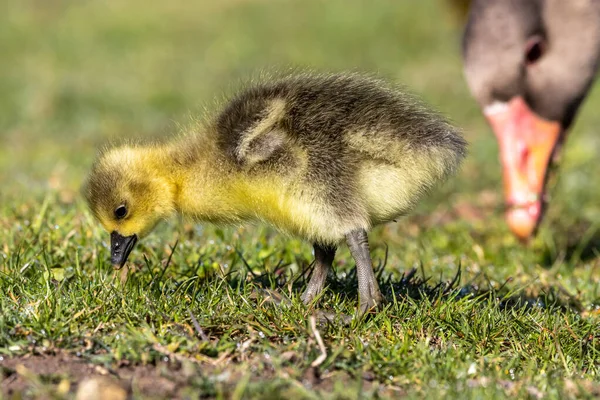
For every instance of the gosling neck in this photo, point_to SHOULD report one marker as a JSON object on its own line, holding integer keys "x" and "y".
{"x": 204, "y": 182}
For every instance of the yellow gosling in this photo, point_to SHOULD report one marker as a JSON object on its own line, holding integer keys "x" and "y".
{"x": 322, "y": 157}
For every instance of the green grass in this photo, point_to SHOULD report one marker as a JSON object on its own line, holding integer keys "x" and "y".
{"x": 521, "y": 321}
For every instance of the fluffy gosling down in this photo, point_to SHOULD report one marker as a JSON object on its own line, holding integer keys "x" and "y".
{"x": 322, "y": 157}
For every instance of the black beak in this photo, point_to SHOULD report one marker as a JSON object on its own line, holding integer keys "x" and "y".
{"x": 120, "y": 247}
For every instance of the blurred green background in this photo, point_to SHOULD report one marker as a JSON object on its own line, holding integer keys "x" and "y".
{"x": 75, "y": 75}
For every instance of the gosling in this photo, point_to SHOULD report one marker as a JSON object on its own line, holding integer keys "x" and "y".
{"x": 324, "y": 157}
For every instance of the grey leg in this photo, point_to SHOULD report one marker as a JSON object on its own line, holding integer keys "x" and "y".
{"x": 369, "y": 295}
{"x": 323, "y": 258}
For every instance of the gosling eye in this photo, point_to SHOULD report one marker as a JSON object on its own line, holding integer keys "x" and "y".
{"x": 121, "y": 211}
{"x": 534, "y": 49}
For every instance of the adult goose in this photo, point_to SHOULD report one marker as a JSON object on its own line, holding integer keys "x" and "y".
{"x": 530, "y": 64}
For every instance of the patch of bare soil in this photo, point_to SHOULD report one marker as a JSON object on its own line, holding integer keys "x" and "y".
{"x": 63, "y": 374}
{"x": 36, "y": 373}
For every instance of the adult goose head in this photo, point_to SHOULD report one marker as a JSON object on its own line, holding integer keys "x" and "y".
{"x": 530, "y": 64}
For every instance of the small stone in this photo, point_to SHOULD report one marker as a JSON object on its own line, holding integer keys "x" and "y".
{"x": 100, "y": 389}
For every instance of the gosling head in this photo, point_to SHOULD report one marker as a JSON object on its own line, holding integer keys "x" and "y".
{"x": 128, "y": 194}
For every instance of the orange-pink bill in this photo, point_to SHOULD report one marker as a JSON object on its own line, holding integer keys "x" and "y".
{"x": 526, "y": 143}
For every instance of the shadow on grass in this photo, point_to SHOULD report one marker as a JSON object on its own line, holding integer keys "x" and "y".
{"x": 414, "y": 284}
